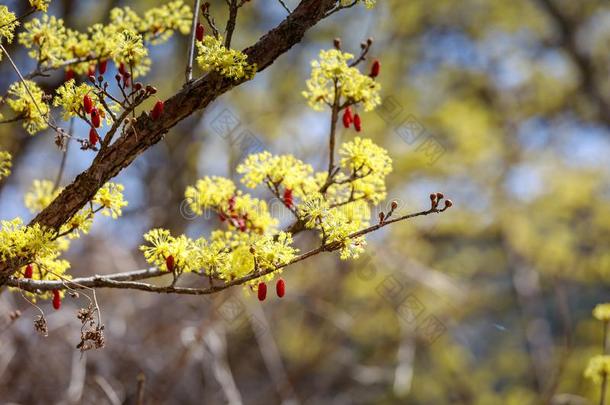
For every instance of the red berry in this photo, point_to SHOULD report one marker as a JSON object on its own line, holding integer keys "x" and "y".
{"x": 280, "y": 287}
{"x": 262, "y": 291}
{"x": 357, "y": 123}
{"x": 347, "y": 117}
{"x": 222, "y": 217}
{"x": 122, "y": 70}
{"x": 87, "y": 104}
{"x": 29, "y": 271}
{"x": 96, "y": 120}
{"x": 375, "y": 69}
{"x": 93, "y": 136}
{"x": 199, "y": 32}
{"x": 157, "y": 110}
{"x": 101, "y": 67}
{"x": 288, "y": 198}
{"x": 169, "y": 263}
{"x": 69, "y": 74}
{"x": 91, "y": 70}
{"x": 56, "y": 299}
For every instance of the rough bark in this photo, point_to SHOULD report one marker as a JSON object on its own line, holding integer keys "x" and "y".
{"x": 147, "y": 132}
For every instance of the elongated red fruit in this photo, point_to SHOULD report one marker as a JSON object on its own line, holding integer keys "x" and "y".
{"x": 169, "y": 263}
{"x": 91, "y": 70}
{"x": 375, "y": 69}
{"x": 93, "y": 136}
{"x": 280, "y": 287}
{"x": 96, "y": 120}
{"x": 357, "y": 123}
{"x": 122, "y": 70}
{"x": 101, "y": 67}
{"x": 199, "y": 31}
{"x": 347, "y": 117}
{"x": 56, "y": 299}
{"x": 157, "y": 110}
{"x": 262, "y": 291}
{"x": 29, "y": 271}
{"x": 288, "y": 198}
{"x": 69, "y": 74}
{"x": 87, "y": 104}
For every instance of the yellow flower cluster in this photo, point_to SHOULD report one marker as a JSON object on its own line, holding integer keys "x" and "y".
{"x": 367, "y": 3}
{"x": 227, "y": 255}
{"x": 40, "y": 195}
{"x": 110, "y": 199}
{"x": 231, "y": 63}
{"x": 264, "y": 168}
{"x": 122, "y": 39}
{"x": 238, "y": 209}
{"x": 352, "y": 87}
{"x": 34, "y": 111}
{"x": 5, "y": 164}
{"x": 8, "y": 24}
{"x": 602, "y": 312}
{"x": 70, "y": 98}
{"x": 41, "y": 5}
{"x": 598, "y": 367}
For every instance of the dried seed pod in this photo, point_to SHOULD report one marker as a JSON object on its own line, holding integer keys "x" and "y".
{"x": 280, "y": 287}
{"x": 262, "y": 291}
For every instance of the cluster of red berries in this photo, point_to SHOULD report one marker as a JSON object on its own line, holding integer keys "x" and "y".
{"x": 235, "y": 218}
{"x": 349, "y": 119}
{"x": 280, "y": 289}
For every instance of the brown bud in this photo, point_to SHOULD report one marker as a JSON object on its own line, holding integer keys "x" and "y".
{"x": 252, "y": 249}
{"x": 448, "y": 203}
{"x": 369, "y": 41}
{"x": 394, "y": 205}
{"x": 381, "y": 217}
{"x": 433, "y": 197}
{"x": 337, "y": 43}
{"x": 439, "y": 196}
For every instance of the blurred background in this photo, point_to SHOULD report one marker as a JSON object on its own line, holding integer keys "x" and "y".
{"x": 503, "y": 106}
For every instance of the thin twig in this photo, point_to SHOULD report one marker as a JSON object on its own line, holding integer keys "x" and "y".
{"x": 126, "y": 280}
{"x": 64, "y": 156}
{"x": 191, "y": 53}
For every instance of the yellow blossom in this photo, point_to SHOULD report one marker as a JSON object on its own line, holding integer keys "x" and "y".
{"x": 41, "y": 5}
{"x": 602, "y": 312}
{"x": 46, "y": 38}
{"x": 8, "y": 23}
{"x": 5, "y": 164}
{"x": 34, "y": 111}
{"x": 40, "y": 195}
{"x": 110, "y": 199}
{"x": 598, "y": 367}
{"x": 214, "y": 56}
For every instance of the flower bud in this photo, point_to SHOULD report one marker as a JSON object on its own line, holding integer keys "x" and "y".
{"x": 439, "y": 196}
{"x": 262, "y": 291}
{"x": 56, "y": 300}
{"x": 169, "y": 263}
{"x": 337, "y": 43}
{"x": 381, "y": 217}
{"x": 394, "y": 205}
{"x": 448, "y": 203}
{"x": 91, "y": 70}
{"x": 157, "y": 110}
{"x": 280, "y": 287}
